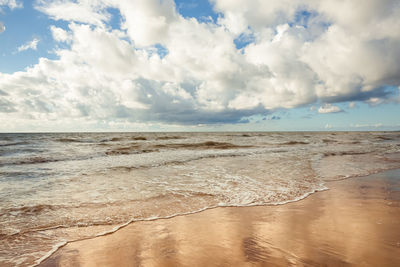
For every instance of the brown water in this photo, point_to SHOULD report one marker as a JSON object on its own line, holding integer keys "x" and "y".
{"x": 56, "y": 188}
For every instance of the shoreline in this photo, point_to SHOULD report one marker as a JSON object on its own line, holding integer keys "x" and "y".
{"x": 142, "y": 237}
{"x": 119, "y": 227}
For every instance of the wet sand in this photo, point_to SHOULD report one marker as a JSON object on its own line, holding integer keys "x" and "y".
{"x": 355, "y": 223}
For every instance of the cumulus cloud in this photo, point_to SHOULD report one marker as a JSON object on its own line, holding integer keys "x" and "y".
{"x": 160, "y": 66}
{"x": 59, "y": 34}
{"x": 11, "y": 4}
{"x": 29, "y": 45}
{"x": 329, "y": 108}
{"x": 91, "y": 12}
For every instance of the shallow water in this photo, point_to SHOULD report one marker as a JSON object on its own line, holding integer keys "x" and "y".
{"x": 56, "y": 188}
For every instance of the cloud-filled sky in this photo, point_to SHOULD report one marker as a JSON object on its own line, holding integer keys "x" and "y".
{"x": 153, "y": 65}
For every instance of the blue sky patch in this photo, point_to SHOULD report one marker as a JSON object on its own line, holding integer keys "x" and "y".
{"x": 200, "y": 9}
{"x": 244, "y": 39}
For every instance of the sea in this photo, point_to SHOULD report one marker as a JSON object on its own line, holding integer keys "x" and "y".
{"x": 57, "y": 188}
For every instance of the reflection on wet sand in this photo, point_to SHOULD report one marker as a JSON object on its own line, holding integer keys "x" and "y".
{"x": 356, "y": 223}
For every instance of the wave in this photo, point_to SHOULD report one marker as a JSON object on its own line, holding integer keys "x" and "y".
{"x": 115, "y": 139}
{"x": 198, "y": 210}
{"x": 327, "y": 141}
{"x": 203, "y": 145}
{"x": 346, "y": 153}
{"x": 35, "y": 160}
{"x": 26, "y": 150}
{"x": 15, "y": 144}
{"x": 194, "y": 157}
{"x": 29, "y": 209}
{"x": 139, "y": 138}
{"x": 134, "y": 148}
{"x": 69, "y": 140}
{"x": 17, "y": 174}
{"x": 242, "y": 135}
{"x": 77, "y": 140}
{"x": 384, "y": 138}
{"x": 128, "y": 150}
{"x": 294, "y": 143}
{"x": 170, "y": 137}
{"x": 123, "y": 138}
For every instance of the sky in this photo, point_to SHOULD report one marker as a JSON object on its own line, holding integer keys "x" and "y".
{"x": 217, "y": 65}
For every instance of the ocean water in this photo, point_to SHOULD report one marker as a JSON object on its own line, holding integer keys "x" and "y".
{"x": 61, "y": 187}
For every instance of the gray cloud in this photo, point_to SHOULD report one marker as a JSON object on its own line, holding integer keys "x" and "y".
{"x": 193, "y": 117}
{"x": 383, "y": 92}
{"x": 6, "y": 106}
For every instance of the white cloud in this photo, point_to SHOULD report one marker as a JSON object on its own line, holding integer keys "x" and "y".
{"x": 60, "y": 34}
{"x": 360, "y": 125}
{"x": 148, "y": 22}
{"x": 11, "y": 3}
{"x": 2, "y": 27}
{"x": 86, "y": 11}
{"x": 29, "y": 45}
{"x": 300, "y": 52}
{"x": 258, "y": 14}
{"x": 374, "y": 101}
{"x": 328, "y": 108}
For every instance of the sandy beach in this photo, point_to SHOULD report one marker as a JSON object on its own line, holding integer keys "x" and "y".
{"x": 355, "y": 223}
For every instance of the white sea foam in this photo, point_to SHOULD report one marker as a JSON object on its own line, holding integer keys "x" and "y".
{"x": 49, "y": 253}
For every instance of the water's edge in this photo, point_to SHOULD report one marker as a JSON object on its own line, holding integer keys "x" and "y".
{"x": 324, "y": 188}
